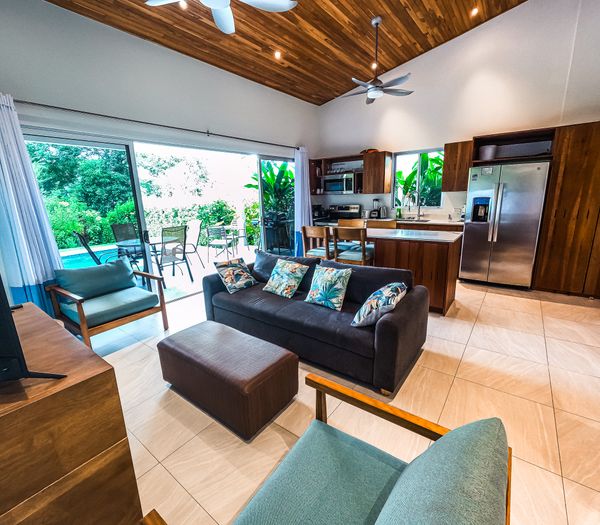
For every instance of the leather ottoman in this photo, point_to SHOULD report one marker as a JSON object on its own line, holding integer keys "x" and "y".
{"x": 238, "y": 379}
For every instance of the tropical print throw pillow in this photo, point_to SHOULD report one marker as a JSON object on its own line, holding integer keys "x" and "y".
{"x": 235, "y": 275}
{"x": 285, "y": 278}
{"x": 328, "y": 287}
{"x": 379, "y": 303}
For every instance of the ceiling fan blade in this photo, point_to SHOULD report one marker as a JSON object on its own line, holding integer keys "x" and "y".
{"x": 361, "y": 83}
{"x": 273, "y": 6}
{"x": 397, "y": 92}
{"x": 362, "y": 92}
{"x": 157, "y": 3}
{"x": 370, "y": 100}
{"x": 224, "y": 20}
{"x": 396, "y": 81}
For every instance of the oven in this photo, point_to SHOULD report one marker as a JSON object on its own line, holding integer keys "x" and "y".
{"x": 338, "y": 184}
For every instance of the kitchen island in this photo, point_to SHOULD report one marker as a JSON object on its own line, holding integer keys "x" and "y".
{"x": 432, "y": 256}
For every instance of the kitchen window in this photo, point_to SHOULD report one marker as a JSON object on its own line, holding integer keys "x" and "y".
{"x": 419, "y": 178}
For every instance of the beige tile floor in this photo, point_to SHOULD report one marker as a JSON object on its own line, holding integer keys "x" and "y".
{"x": 531, "y": 359}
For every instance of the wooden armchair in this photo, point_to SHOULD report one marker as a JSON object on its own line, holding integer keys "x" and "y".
{"x": 87, "y": 329}
{"x": 406, "y": 420}
{"x": 360, "y": 253}
{"x": 316, "y": 242}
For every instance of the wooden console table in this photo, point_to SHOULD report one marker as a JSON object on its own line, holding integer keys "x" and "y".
{"x": 65, "y": 455}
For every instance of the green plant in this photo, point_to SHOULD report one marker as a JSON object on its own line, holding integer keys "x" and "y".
{"x": 277, "y": 187}
{"x": 252, "y": 213}
{"x": 423, "y": 182}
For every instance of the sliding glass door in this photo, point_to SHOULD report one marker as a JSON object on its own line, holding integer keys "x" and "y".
{"x": 276, "y": 187}
{"x": 89, "y": 193}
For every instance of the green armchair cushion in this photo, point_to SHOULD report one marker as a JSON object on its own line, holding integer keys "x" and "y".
{"x": 97, "y": 280}
{"x": 327, "y": 478}
{"x": 460, "y": 479}
{"x": 115, "y": 305}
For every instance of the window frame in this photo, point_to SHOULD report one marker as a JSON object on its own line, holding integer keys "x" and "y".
{"x": 395, "y": 188}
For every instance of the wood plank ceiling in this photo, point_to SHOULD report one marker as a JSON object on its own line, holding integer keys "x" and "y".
{"x": 323, "y": 42}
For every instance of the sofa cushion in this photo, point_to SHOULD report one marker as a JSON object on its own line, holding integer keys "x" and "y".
{"x": 265, "y": 262}
{"x": 235, "y": 275}
{"x": 328, "y": 287}
{"x": 461, "y": 478}
{"x": 379, "y": 303}
{"x": 327, "y": 478}
{"x": 108, "y": 307}
{"x": 97, "y": 280}
{"x": 298, "y": 316}
{"x": 285, "y": 278}
{"x": 366, "y": 279}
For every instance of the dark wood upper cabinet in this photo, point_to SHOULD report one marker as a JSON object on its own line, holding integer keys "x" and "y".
{"x": 377, "y": 174}
{"x": 458, "y": 157}
{"x": 592, "y": 278}
{"x": 569, "y": 225}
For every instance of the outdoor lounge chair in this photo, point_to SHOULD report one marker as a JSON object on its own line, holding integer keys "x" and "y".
{"x": 92, "y": 300}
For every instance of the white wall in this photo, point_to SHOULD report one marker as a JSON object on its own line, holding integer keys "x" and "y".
{"x": 53, "y": 56}
{"x": 537, "y": 65}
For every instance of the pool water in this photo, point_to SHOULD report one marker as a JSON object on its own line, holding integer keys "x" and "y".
{"x": 84, "y": 260}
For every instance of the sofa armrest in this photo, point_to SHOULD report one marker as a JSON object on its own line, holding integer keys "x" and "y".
{"x": 399, "y": 337}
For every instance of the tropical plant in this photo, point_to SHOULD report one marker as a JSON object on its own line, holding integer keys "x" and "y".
{"x": 252, "y": 214}
{"x": 277, "y": 187}
{"x": 423, "y": 183}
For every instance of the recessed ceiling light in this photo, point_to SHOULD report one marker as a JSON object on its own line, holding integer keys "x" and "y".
{"x": 277, "y": 55}
{"x": 475, "y": 11}
{"x": 374, "y": 66}
{"x": 183, "y": 4}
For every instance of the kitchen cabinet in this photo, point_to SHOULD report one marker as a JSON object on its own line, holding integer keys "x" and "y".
{"x": 315, "y": 172}
{"x": 458, "y": 157}
{"x": 567, "y": 257}
{"x": 377, "y": 174}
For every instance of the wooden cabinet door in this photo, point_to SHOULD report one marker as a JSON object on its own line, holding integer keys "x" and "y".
{"x": 571, "y": 210}
{"x": 592, "y": 278}
{"x": 458, "y": 157}
{"x": 314, "y": 166}
{"x": 377, "y": 174}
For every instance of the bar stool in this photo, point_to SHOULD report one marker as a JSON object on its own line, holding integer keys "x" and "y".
{"x": 387, "y": 224}
{"x": 351, "y": 223}
{"x": 316, "y": 241}
{"x": 360, "y": 254}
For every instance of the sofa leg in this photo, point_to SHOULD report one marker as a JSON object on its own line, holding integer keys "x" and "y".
{"x": 385, "y": 392}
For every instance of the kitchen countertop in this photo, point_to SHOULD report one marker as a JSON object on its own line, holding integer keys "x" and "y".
{"x": 432, "y": 222}
{"x": 413, "y": 235}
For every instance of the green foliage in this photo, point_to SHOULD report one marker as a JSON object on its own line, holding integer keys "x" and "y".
{"x": 252, "y": 213}
{"x": 424, "y": 181}
{"x": 122, "y": 213}
{"x": 277, "y": 187}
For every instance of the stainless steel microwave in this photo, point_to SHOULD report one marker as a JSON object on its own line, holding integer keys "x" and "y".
{"x": 338, "y": 184}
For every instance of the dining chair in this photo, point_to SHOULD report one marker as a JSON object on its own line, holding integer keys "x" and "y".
{"x": 316, "y": 242}
{"x": 389, "y": 224}
{"x": 361, "y": 254}
{"x": 172, "y": 249}
{"x": 219, "y": 239}
{"x": 193, "y": 234}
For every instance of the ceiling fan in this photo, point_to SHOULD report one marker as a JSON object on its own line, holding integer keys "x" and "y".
{"x": 376, "y": 88}
{"x": 222, "y": 13}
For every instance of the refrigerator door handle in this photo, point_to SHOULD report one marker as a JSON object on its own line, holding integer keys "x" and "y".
{"x": 498, "y": 209}
{"x": 492, "y": 221}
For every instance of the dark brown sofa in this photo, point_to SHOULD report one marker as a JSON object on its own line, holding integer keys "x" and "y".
{"x": 379, "y": 355}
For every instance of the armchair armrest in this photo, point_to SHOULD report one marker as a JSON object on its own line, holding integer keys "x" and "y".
{"x": 149, "y": 275}
{"x": 399, "y": 337}
{"x": 55, "y": 289}
{"x": 395, "y": 415}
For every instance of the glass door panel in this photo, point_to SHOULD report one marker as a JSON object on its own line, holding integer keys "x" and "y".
{"x": 89, "y": 195}
{"x": 276, "y": 184}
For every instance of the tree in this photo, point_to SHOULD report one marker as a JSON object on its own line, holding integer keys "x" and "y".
{"x": 277, "y": 188}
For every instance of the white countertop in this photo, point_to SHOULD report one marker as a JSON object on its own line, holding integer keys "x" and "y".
{"x": 432, "y": 222}
{"x": 413, "y": 235}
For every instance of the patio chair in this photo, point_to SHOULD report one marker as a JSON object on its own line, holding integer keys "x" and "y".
{"x": 219, "y": 239}
{"x": 193, "y": 234}
{"x": 128, "y": 242}
{"x": 172, "y": 249}
{"x": 84, "y": 243}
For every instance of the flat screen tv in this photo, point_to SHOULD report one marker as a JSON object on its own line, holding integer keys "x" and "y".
{"x": 12, "y": 360}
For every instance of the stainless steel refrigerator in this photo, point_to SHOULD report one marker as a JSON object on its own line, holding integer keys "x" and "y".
{"x": 502, "y": 222}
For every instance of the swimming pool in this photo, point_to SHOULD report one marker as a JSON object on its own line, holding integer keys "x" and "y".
{"x": 76, "y": 259}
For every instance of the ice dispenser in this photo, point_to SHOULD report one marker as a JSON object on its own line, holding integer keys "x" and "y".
{"x": 481, "y": 209}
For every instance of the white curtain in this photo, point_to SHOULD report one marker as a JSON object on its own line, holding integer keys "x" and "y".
{"x": 302, "y": 207}
{"x": 27, "y": 246}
